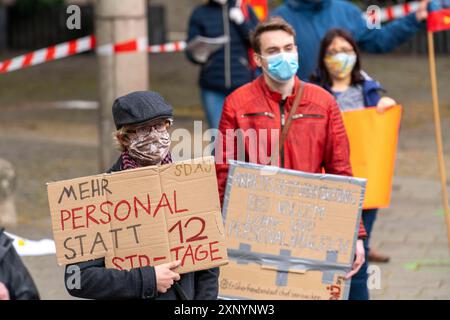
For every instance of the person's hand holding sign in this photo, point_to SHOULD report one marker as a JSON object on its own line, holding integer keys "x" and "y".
{"x": 4, "y": 293}
{"x": 385, "y": 103}
{"x": 359, "y": 260}
{"x": 165, "y": 277}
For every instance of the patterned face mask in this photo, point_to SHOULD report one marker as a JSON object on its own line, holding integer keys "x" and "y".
{"x": 148, "y": 145}
{"x": 341, "y": 64}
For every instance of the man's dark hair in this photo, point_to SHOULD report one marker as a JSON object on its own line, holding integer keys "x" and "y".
{"x": 273, "y": 24}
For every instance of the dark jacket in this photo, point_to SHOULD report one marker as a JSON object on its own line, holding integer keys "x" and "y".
{"x": 228, "y": 68}
{"x": 13, "y": 273}
{"x": 371, "y": 92}
{"x": 98, "y": 282}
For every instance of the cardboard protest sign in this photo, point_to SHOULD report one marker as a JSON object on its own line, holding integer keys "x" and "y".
{"x": 290, "y": 235}
{"x": 140, "y": 217}
{"x": 373, "y": 146}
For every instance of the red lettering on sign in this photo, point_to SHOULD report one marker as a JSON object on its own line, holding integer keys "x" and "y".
{"x": 144, "y": 261}
{"x": 67, "y": 217}
{"x": 146, "y": 209}
{"x": 128, "y": 210}
{"x": 158, "y": 259}
{"x": 162, "y": 205}
{"x": 75, "y": 217}
{"x": 197, "y": 237}
{"x": 93, "y": 214}
{"x": 188, "y": 253}
{"x": 198, "y": 251}
{"x": 191, "y": 254}
{"x": 106, "y": 213}
{"x": 90, "y": 209}
{"x": 133, "y": 261}
{"x": 175, "y": 203}
{"x": 177, "y": 250}
{"x": 212, "y": 251}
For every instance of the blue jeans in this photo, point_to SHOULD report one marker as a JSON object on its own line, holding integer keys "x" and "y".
{"x": 358, "y": 286}
{"x": 212, "y": 105}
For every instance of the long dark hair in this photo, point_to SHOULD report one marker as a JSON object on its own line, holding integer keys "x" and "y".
{"x": 322, "y": 76}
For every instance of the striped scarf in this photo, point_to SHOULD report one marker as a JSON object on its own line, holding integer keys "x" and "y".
{"x": 129, "y": 163}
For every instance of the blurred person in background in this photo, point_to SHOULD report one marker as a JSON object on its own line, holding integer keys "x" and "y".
{"x": 16, "y": 282}
{"x": 316, "y": 140}
{"x": 312, "y": 19}
{"x": 339, "y": 72}
{"x": 229, "y": 67}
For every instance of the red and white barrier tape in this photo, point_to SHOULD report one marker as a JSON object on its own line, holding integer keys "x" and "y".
{"x": 84, "y": 44}
{"x": 140, "y": 45}
{"x": 137, "y": 45}
{"x": 168, "y": 47}
{"x": 48, "y": 54}
{"x": 391, "y": 13}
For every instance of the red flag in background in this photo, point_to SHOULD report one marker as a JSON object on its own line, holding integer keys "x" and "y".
{"x": 439, "y": 20}
{"x": 259, "y": 6}
{"x": 261, "y": 10}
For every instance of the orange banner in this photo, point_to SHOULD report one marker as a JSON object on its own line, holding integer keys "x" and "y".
{"x": 373, "y": 145}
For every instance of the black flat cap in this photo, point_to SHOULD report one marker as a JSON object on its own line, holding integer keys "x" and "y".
{"x": 138, "y": 107}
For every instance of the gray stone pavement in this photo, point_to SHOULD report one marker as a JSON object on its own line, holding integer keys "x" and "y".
{"x": 413, "y": 232}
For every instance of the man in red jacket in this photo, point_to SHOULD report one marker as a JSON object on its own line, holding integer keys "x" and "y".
{"x": 257, "y": 112}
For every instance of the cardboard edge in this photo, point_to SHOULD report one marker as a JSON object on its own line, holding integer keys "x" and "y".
{"x": 209, "y": 160}
{"x": 316, "y": 176}
{"x": 227, "y": 194}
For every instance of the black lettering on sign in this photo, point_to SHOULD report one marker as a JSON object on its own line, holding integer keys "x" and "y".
{"x": 68, "y": 193}
{"x": 86, "y": 190}
{"x": 189, "y": 169}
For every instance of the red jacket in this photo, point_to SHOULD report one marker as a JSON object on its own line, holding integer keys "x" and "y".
{"x": 316, "y": 139}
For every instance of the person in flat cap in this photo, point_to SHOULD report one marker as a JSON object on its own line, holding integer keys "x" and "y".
{"x": 142, "y": 120}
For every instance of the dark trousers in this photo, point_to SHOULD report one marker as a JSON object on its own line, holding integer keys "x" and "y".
{"x": 358, "y": 286}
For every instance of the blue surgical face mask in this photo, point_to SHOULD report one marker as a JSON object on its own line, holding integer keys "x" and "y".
{"x": 282, "y": 66}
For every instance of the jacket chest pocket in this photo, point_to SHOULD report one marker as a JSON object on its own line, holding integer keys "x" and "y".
{"x": 310, "y": 126}
{"x": 309, "y": 120}
{"x": 257, "y": 120}
{"x": 258, "y": 114}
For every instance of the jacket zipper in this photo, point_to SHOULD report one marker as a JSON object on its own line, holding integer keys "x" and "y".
{"x": 282, "y": 121}
{"x": 304, "y": 115}
{"x": 226, "y": 28}
{"x": 254, "y": 114}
